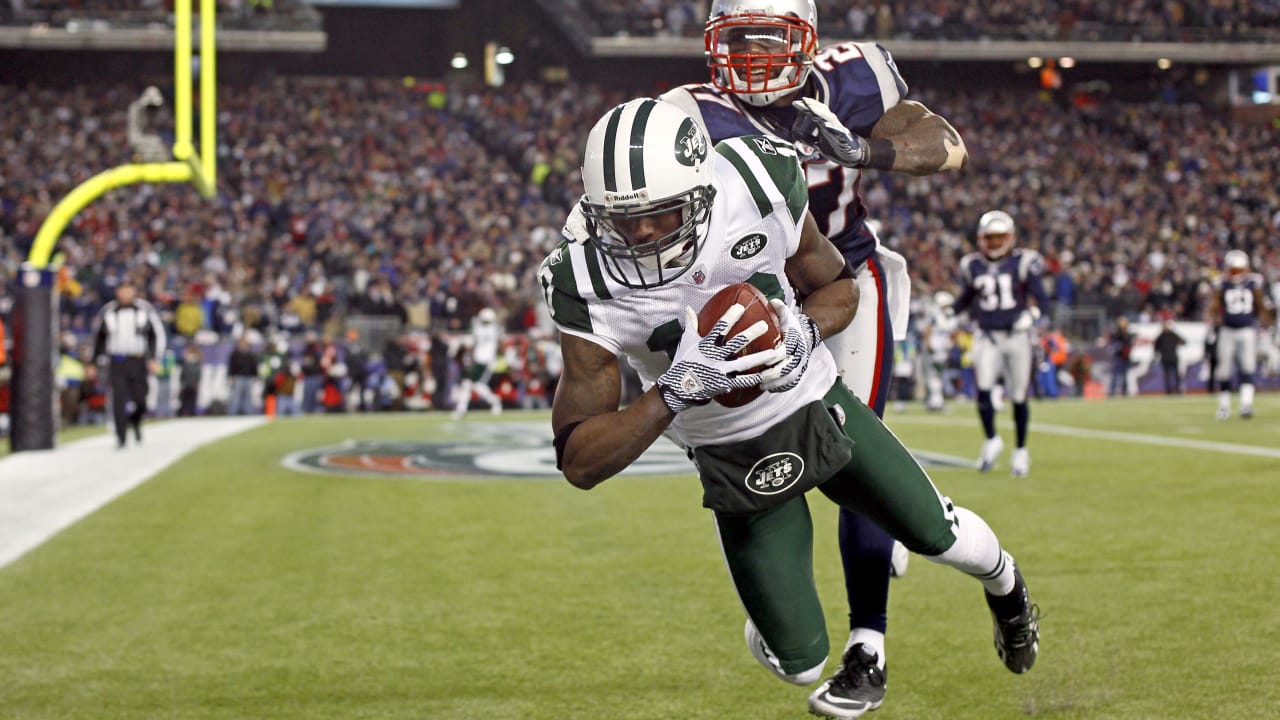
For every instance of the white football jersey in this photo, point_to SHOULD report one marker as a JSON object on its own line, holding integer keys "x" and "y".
{"x": 755, "y": 225}
{"x": 485, "y": 338}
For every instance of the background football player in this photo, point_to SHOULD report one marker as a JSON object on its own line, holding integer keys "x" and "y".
{"x": 939, "y": 327}
{"x": 486, "y": 337}
{"x": 845, "y": 109}
{"x": 669, "y": 224}
{"x": 997, "y": 283}
{"x": 1238, "y": 305}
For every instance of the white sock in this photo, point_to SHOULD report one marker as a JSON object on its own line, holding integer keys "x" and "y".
{"x": 464, "y": 397}
{"x": 873, "y": 639}
{"x": 977, "y": 552}
{"x": 1246, "y": 395}
{"x": 1224, "y": 400}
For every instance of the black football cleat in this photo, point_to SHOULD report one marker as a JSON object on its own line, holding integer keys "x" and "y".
{"x": 1017, "y": 637}
{"x": 857, "y": 687}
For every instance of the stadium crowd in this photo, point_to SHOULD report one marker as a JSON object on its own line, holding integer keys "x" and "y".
{"x": 350, "y": 198}
{"x": 102, "y": 14}
{"x": 1088, "y": 20}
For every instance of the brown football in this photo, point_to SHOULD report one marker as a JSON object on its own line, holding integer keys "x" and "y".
{"x": 757, "y": 308}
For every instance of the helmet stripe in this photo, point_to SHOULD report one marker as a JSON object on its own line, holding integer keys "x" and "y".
{"x": 637, "y": 143}
{"x": 610, "y": 143}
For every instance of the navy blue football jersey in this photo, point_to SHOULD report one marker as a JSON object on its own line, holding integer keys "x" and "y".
{"x": 859, "y": 82}
{"x": 1239, "y": 300}
{"x": 995, "y": 292}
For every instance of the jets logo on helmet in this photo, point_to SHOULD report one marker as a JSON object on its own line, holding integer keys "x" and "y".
{"x": 995, "y": 234}
{"x": 761, "y": 50}
{"x": 644, "y": 160}
{"x": 691, "y": 144}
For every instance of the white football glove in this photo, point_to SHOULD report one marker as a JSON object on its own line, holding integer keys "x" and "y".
{"x": 577, "y": 228}
{"x": 817, "y": 125}
{"x": 800, "y": 335}
{"x": 1026, "y": 319}
{"x": 703, "y": 368}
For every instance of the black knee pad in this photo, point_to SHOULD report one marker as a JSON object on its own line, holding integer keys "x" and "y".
{"x": 984, "y": 401}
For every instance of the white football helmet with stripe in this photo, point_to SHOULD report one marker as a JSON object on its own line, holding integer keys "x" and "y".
{"x": 647, "y": 158}
{"x": 761, "y": 50}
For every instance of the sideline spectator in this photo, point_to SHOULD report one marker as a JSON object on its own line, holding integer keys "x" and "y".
{"x": 1166, "y": 347}
{"x": 243, "y": 373}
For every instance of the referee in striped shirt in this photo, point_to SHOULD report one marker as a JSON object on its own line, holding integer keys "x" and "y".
{"x": 129, "y": 337}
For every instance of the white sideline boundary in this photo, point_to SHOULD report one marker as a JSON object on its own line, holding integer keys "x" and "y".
{"x": 43, "y": 492}
{"x": 1183, "y": 443}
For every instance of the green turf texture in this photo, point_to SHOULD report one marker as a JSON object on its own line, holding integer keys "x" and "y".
{"x": 229, "y": 587}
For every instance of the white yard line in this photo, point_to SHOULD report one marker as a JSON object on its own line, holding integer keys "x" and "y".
{"x": 1100, "y": 434}
{"x": 44, "y": 491}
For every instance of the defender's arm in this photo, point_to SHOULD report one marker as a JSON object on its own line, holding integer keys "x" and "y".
{"x": 912, "y": 139}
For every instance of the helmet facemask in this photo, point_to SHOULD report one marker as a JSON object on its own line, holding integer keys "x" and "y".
{"x": 1236, "y": 263}
{"x": 760, "y": 57}
{"x": 995, "y": 245}
{"x": 654, "y": 262}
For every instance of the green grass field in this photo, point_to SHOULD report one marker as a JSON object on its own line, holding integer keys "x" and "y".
{"x": 231, "y": 587}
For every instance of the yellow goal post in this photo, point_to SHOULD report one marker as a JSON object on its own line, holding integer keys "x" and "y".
{"x": 198, "y": 168}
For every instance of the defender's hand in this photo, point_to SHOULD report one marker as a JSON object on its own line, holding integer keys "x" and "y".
{"x": 704, "y": 368}
{"x": 800, "y": 335}
{"x": 1026, "y": 319}
{"x": 818, "y": 126}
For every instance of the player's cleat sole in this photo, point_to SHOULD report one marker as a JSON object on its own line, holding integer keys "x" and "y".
{"x": 858, "y": 686}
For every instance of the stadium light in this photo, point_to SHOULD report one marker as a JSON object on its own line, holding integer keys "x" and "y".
{"x": 1067, "y": 63}
{"x": 1034, "y": 62}
{"x": 459, "y": 62}
{"x": 504, "y": 56}
{"x": 1164, "y": 63}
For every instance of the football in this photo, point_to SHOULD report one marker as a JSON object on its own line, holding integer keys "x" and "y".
{"x": 757, "y": 308}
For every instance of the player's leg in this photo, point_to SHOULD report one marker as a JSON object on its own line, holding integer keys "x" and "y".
{"x": 770, "y": 560}
{"x": 463, "y": 398}
{"x": 986, "y": 367}
{"x": 1226, "y": 364}
{"x": 934, "y": 368}
{"x": 864, "y": 358}
{"x": 486, "y": 393}
{"x": 138, "y": 394}
{"x": 1247, "y": 347}
{"x": 1018, "y": 358}
{"x": 120, "y": 396}
{"x": 885, "y": 483}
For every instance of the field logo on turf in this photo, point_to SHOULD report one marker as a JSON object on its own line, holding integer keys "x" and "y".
{"x": 519, "y": 450}
{"x": 511, "y": 450}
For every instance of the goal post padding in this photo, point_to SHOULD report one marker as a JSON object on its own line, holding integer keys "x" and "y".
{"x": 33, "y": 404}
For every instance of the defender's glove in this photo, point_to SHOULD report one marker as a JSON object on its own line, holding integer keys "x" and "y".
{"x": 800, "y": 335}
{"x": 818, "y": 126}
{"x": 577, "y": 228}
{"x": 1026, "y": 319}
{"x": 703, "y": 368}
